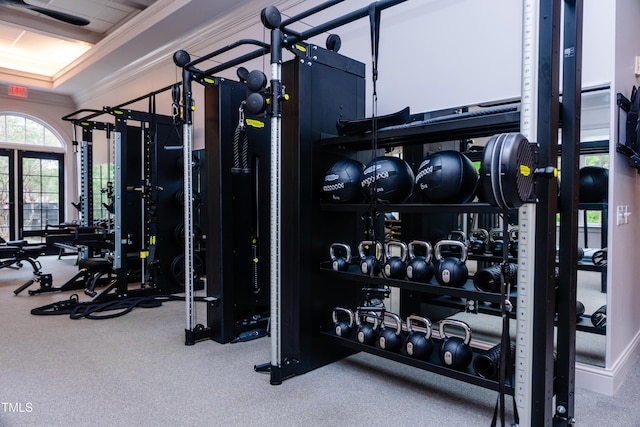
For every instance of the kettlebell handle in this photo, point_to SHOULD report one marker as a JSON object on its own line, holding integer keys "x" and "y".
{"x": 462, "y": 246}
{"x": 415, "y": 319}
{"x": 343, "y": 246}
{"x": 397, "y": 243}
{"x": 428, "y": 249}
{"x": 396, "y": 320}
{"x": 348, "y": 312}
{"x": 459, "y": 324}
{"x": 479, "y": 234}
{"x": 457, "y": 235}
{"x": 379, "y": 250}
{"x": 370, "y": 312}
{"x": 494, "y": 233}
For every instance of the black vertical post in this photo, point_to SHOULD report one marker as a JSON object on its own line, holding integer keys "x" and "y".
{"x": 547, "y": 192}
{"x": 568, "y": 259}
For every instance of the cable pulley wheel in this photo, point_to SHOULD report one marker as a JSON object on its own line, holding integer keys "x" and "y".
{"x": 177, "y": 269}
{"x": 507, "y": 170}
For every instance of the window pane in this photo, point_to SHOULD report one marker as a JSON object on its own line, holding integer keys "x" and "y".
{"x": 34, "y": 133}
{"x": 50, "y": 139}
{"x": 3, "y": 128}
{"x": 30, "y": 167}
{"x": 49, "y": 168}
{"x": 50, "y": 184}
{"x": 16, "y": 129}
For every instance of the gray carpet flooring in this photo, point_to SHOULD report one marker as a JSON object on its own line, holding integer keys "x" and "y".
{"x": 136, "y": 371}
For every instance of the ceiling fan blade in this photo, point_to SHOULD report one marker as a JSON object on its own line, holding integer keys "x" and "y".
{"x": 61, "y": 16}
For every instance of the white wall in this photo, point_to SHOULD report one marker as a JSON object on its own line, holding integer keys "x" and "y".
{"x": 624, "y": 316}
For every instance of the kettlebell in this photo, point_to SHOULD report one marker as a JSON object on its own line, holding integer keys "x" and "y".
{"x": 478, "y": 240}
{"x": 340, "y": 262}
{"x": 367, "y": 332}
{"x": 390, "y": 338}
{"x": 343, "y": 327}
{"x": 418, "y": 344}
{"x": 396, "y": 265}
{"x": 419, "y": 268}
{"x": 455, "y": 351}
{"x": 371, "y": 255}
{"x": 451, "y": 271}
{"x": 496, "y": 241}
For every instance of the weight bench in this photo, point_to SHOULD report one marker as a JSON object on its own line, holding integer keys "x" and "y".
{"x": 14, "y": 253}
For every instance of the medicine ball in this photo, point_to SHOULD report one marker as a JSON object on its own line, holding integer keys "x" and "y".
{"x": 594, "y": 183}
{"x": 447, "y": 177}
{"x": 387, "y": 178}
{"x": 342, "y": 182}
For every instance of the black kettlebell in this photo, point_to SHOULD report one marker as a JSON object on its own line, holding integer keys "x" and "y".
{"x": 419, "y": 267}
{"x": 367, "y": 332}
{"x": 478, "y": 240}
{"x": 496, "y": 241}
{"x": 390, "y": 338}
{"x": 340, "y": 254}
{"x": 343, "y": 327}
{"x": 455, "y": 351}
{"x": 396, "y": 265}
{"x": 451, "y": 271}
{"x": 371, "y": 255}
{"x": 418, "y": 344}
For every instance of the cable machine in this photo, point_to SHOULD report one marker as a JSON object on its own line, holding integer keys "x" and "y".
{"x": 234, "y": 288}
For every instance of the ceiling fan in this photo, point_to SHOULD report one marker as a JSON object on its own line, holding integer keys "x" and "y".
{"x": 61, "y": 16}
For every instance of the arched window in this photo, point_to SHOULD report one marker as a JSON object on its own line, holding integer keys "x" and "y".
{"x": 16, "y": 128}
{"x": 31, "y": 177}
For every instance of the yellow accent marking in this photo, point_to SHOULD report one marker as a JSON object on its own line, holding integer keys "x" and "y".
{"x": 118, "y": 112}
{"x": 525, "y": 170}
{"x": 208, "y": 80}
{"x": 301, "y": 48}
{"x": 144, "y": 254}
{"x": 254, "y": 123}
{"x": 152, "y": 240}
{"x": 255, "y": 260}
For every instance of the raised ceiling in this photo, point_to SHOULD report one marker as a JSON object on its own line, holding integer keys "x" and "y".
{"x": 120, "y": 32}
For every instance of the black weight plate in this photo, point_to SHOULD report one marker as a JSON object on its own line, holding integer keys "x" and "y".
{"x": 490, "y": 154}
{"x": 177, "y": 269}
{"x": 515, "y": 173}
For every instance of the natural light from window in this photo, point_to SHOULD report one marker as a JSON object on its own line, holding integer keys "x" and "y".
{"x": 18, "y": 129}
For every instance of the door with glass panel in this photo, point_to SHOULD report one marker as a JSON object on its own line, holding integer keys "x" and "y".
{"x": 40, "y": 193}
{"x": 7, "y": 217}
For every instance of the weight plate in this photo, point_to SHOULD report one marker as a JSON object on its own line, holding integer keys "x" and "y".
{"x": 177, "y": 269}
{"x": 507, "y": 170}
{"x": 516, "y": 171}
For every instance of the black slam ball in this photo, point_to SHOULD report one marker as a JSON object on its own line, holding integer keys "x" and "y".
{"x": 447, "y": 177}
{"x": 342, "y": 182}
{"x": 594, "y": 184}
{"x": 388, "y": 179}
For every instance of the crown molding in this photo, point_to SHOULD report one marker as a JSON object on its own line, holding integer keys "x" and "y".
{"x": 198, "y": 42}
{"x": 146, "y": 19}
